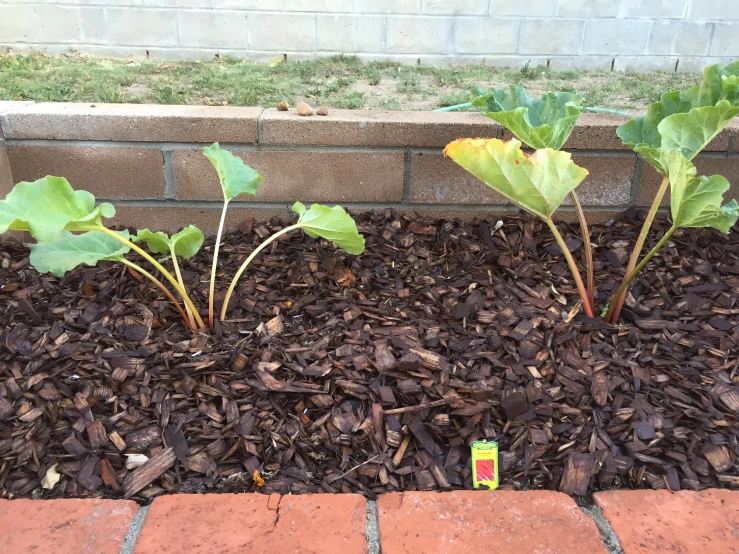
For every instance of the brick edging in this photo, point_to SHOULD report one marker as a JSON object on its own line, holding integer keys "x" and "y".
{"x": 146, "y": 157}
{"x": 398, "y": 523}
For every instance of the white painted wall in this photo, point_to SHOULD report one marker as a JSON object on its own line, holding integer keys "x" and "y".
{"x": 587, "y": 34}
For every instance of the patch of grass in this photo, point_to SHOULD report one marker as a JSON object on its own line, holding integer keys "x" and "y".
{"x": 339, "y": 81}
{"x": 454, "y": 99}
{"x": 409, "y": 83}
{"x": 390, "y": 104}
{"x": 373, "y": 75}
{"x": 349, "y": 101}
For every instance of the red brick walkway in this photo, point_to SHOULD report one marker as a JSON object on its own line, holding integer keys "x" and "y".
{"x": 418, "y": 523}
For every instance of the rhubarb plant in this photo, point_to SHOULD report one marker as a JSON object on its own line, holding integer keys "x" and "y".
{"x": 546, "y": 122}
{"x": 69, "y": 231}
{"x": 682, "y": 121}
{"x": 537, "y": 183}
{"x": 673, "y": 131}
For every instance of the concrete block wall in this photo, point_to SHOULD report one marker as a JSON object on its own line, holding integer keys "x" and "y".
{"x": 147, "y": 160}
{"x": 663, "y": 35}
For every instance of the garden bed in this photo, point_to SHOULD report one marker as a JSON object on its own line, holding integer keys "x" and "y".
{"x": 375, "y": 373}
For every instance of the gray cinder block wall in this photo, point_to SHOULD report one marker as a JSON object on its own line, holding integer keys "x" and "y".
{"x": 643, "y": 35}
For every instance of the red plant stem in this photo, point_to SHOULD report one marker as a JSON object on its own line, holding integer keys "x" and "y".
{"x": 631, "y": 276}
{"x": 617, "y": 302}
{"x": 573, "y": 268}
{"x": 585, "y": 232}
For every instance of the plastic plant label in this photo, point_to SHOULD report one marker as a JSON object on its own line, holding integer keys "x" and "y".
{"x": 485, "y": 465}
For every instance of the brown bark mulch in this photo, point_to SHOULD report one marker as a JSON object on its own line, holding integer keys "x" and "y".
{"x": 375, "y": 373}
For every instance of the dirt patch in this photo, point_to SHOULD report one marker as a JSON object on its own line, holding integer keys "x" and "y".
{"x": 375, "y": 373}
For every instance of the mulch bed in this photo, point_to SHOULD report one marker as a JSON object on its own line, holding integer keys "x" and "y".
{"x": 375, "y": 373}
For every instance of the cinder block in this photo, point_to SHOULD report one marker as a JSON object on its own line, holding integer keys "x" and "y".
{"x": 133, "y": 122}
{"x": 694, "y": 38}
{"x": 127, "y": 27}
{"x": 387, "y": 6}
{"x": 662, "y": 37}
{"x": 645, "y": 64}
{"x": 281, "y": 32}
{"x": 162, "y": 3}
{"x": 374, "y": 128}
{"x": 720, "y": 10}
{"x": 93, "y": 27}
{"x": 550, "y": 36}
{"x": 486, "y": 35}
{"x": 418, "y": 35}
{"x": 211, "y": 29}
{"x": 350, "y": 33}
{"x": 456, "y": 7}
{"x": 308, "y": 176}
{"x": 726, "y": 40}
{"x": 650, "y": 179}
{"x": 105, "y": 172}
{"x": 265, "y": 5}
{"x": 318, "y": 5}
{"x": 654, "y": 8}
{"x": 527, "y": 8}
{"x": 615, "y": 36}
{"x": 39, "y": 23}
{"x": 587, "y": 8}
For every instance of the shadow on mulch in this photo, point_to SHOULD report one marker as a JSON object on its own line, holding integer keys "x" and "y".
{"x": 375, "y": 373}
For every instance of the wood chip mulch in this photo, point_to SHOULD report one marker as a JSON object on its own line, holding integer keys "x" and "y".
{"x": 375, "y": 373}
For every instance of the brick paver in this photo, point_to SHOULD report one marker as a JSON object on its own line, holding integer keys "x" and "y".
{"x": 483, "y": 522}
{"x": 254, "y": 523}
{"x": 64, "y": 526}
{"x": 705, "y": 522}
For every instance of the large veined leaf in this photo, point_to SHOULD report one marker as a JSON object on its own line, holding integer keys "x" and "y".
{"x": 236, "y": 177}
{"x": 49, "y": 206}
{"x": 69, "y": 250}
{"x": 537, "y": 183}
{"x": 545, "y": 122}
{"x": 686, "y": 120}
{"x": 186, "y": 243}
{"x": 332, "y": 224}
{"x": 696, "y": 201}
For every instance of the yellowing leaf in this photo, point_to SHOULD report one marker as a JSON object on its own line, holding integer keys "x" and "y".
{"x": 537, "y": 183}
{"x": 51, "y": 478}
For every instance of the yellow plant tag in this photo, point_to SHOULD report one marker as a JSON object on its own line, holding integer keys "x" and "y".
{"x": 485, "y": 464}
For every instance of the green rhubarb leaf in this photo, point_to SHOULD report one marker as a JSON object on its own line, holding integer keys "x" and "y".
{"x": 68, "y": 251}
{"x": 539, "y": 123}
{"x": 236, "y": 177}
{"x": 686, "y": 120}
{"x": 186, "y": 243}
{"x": 696, "y": 201}
{"x": 332, "y": 224}
{"x": 49, "y": 206}
{"x": 537, "y": 183}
